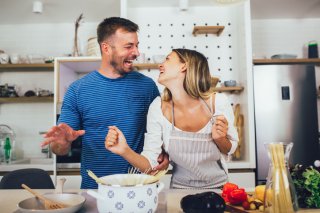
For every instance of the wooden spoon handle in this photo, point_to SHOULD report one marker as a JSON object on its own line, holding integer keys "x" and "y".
{"x": 33, "y": 192}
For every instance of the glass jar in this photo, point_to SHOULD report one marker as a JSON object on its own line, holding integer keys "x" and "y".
{"x": 280, "y": 195}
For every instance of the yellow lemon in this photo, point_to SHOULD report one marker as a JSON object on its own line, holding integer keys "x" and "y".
{"x": 259, "y": 192}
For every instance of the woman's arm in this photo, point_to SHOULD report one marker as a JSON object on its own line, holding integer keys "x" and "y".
{"x": 117, "y": 143}
{"x": 223, "y": 131}
{"x": 152, "y": 143}
{"x": 219, "y": 134}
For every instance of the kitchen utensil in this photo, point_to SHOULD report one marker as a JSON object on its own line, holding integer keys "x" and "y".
{"x": 4, "y": 58}
{"x": 230, "y": 83}
{"x": 283, "y": 56}
{"x": 94, "y": 177}
{"x": 156, "y": 177}
{"x": 34, "y": 205}
{"x": 14, "y": 58}
{"x": 59, "y": 186}
{"x": 134, "y": 170}
{"x": 141, "y": 58}
{"x": 214, "y": 81}
{"x": 236, "y": 113}
{"x": 138, "y": 198}
{"x": 48, "y": 204}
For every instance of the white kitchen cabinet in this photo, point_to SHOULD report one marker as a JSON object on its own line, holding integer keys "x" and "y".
{"x": 243, "y": 179}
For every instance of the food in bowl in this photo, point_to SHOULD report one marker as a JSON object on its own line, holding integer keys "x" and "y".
{"x": 230, "y": 83}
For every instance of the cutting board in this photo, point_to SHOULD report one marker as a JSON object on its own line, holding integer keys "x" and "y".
{"x": 173, "y": 205}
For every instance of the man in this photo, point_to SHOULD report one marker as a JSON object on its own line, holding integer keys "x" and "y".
{"x": 113, "y": 95}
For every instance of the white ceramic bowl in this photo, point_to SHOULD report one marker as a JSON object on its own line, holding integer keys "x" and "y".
{"x": 34, "y": 205}
{"x": 230, "y": 83}
{"x": 116, "y": 198}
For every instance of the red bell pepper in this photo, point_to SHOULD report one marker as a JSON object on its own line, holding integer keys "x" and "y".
{"x": 237, "y": 196}
{"x": 227, "y": 188}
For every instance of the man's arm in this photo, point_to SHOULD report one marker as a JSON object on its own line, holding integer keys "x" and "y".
{"x": 60, "y": 138}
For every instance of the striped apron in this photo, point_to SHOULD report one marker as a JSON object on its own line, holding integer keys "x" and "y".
{"x": 196, "y": 159}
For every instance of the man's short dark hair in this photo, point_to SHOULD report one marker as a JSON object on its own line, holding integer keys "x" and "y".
{"x": 109, "y": 26}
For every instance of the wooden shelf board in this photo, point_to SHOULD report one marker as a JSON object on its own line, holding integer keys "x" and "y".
{"x": 26, "y": 100}
{"x": 228, "y": 89}
{"x": 207, "y": 30}
{"x": 287, "y": 61}
{"x": 26, "y": 67}
{"x": 146, "y": 66}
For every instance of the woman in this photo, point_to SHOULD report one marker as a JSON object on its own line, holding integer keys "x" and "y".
{"x": 189, "y": 121}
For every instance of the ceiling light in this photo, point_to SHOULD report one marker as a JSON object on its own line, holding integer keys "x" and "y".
{"x": 229, "y": 1}
{"x": 37, "y": 7}
{"x": 183, "y": 5}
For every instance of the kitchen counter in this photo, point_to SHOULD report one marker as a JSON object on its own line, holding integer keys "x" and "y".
{"x": 41, "y": 163}
{"x": 169, "y": 200}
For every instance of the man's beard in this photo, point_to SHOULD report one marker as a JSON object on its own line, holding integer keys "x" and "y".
{"x": 118, "y": 68}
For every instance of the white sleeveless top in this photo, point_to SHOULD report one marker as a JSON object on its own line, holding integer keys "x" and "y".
{"x": 195, "y": 157}
{"x": 159, "y": 128}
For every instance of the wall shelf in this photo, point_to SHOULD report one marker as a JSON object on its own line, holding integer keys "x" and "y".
{"x": 287, "y": 61}
{"x": 207, "y": 30}
{"x": 145, "y": 66}
{"x": 26, "y": 67}
{"x": 34, "y": 99}
{"x": 228, "y": 89}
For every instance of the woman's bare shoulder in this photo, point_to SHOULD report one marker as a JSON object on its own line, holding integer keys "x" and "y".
{"x": 166, "y": 108}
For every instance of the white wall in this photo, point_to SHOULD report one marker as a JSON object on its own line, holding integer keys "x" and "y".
{"x": 45, "y": 39}
{"x": 277, "y": 36}
{"x": 27, "y": 119}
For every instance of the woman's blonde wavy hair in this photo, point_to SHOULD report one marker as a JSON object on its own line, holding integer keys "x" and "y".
{"x": 197, "y": 82}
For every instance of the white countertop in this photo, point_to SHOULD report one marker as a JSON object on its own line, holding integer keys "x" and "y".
{"x": 41, "y": 163}
{"x": 169, "y": 200}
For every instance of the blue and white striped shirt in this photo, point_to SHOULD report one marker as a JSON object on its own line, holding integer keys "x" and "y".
{"x": 95, "y": 102}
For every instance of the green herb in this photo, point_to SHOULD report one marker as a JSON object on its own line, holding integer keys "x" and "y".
{"x": 307, "y": 183}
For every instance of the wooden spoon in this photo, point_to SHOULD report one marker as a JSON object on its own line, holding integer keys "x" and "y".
{"x": 48, "y": 204}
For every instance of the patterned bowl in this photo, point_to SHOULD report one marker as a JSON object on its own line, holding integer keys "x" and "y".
{"x": 136, "y": 198}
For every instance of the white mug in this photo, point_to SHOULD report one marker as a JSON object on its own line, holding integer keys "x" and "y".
{"x": 141, "y": 58}
{"x": 4, "y": 58}
{"x": 14, "y": 58}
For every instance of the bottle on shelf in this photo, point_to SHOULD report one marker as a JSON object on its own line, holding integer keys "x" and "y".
{"x": 7, "y": 151}
{"x": 1, "y": 151}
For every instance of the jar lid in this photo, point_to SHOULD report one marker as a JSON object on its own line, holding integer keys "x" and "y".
{"x": 313, "y": 43}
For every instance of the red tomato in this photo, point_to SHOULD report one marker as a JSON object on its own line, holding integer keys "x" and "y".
{"x": 227, "y": 188}
{"x": 246, "y": 205}
{"x": 237, "y": 196}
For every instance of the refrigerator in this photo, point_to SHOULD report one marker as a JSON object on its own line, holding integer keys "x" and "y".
{"x": 285, "y": 103}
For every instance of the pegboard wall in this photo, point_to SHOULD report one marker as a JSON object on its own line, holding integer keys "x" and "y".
{"x": 162, "y": 29}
